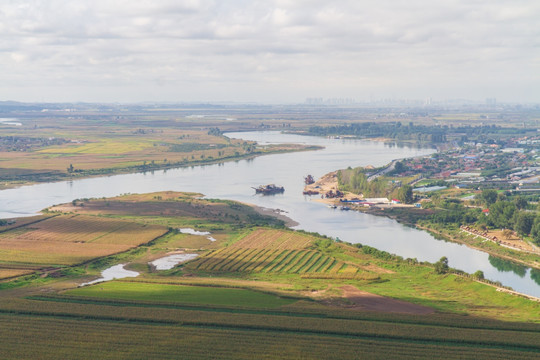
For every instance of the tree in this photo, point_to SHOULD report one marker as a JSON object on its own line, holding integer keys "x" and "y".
{"x": 479, "y": 275}
{"x": 523, "y": 222}
{"x": 501, "y": 214}
{"x": 507, "y": 233}
{"x": 488, "y": 196}
{"x": 70, "y": 169}
{"x": 535, "y": 230}
{"x": 441, "y": 266}
{"x": 405, "y": 194}
{"x": 521, "y": 202}
{"x": 399, "y": 168}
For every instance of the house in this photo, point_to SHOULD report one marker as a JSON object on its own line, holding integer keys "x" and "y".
{"x": 485, "y": 212}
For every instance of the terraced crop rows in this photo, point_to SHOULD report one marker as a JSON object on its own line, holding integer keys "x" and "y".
{"x": 274, "y": 239}
{"x": 271, "y": 260}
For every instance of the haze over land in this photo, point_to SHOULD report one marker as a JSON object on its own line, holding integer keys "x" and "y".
{"x": 273, "y": 51}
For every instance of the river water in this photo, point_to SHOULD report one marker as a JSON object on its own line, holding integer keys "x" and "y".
{"x": 233, "y": 180}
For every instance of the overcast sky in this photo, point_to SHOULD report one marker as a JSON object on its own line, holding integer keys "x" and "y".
{"x": 268, "y": 51}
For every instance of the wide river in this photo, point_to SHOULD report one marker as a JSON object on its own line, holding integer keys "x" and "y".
{"x": 233, "y": 180}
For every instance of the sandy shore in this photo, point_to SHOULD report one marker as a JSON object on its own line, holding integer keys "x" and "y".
{"x": 277, "y": 213}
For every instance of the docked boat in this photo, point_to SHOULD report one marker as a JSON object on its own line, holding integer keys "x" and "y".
{"x": 269, "y": 189}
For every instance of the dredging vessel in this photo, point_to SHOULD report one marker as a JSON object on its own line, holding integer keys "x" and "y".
{"x": 269, "y": 189}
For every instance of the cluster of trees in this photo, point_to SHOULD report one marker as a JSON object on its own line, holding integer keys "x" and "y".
{"x": 356, "y": 181}
{"x": 454, "y": 212}
{"x": 398, "y": 131}
{"x": 394, "y": 130}
{"x": 23, "y": 143}
{"x": 514, "y": 215}
{"x": 192, "y": 146}
{"x": 215, "y": 131}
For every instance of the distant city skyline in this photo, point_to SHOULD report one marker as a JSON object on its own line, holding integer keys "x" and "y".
{"x": 280, "y": 51}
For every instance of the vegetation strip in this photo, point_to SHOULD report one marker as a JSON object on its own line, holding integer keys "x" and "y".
{"x": 371, "y": 317}
{"x": 280, "y": 329}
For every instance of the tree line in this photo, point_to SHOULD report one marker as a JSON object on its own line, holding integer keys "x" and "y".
{"x": 410, "y": 131}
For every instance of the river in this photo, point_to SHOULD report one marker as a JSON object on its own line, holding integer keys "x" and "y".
{"x": 233, "y": 180}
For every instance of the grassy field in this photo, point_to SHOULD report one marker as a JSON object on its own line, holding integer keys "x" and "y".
{"x": 256, "y": 292}
{"x": 180, "y": 294}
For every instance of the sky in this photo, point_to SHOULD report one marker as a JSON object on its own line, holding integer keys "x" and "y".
{"x": 275, "y": 51}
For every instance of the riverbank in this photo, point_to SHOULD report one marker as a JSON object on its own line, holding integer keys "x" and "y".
{"x": 233, "y": 180}
{"x": 407, "y": 215}
{"x": 95, "y": 173}
{"x": 277, "y": 213}
{"x": 493, "y": 252}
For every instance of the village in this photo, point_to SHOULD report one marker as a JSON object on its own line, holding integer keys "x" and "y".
{"x": 509, "y": 165}
{"x": 485, "y": 191}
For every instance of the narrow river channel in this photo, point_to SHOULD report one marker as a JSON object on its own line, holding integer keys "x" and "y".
{"x": 233, "y": 180}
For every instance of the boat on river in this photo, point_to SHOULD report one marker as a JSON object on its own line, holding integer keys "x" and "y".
{"x": 308, "y": 180}
{"x": 269, "y": 189}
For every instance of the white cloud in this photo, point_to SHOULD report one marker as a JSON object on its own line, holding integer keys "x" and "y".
{"x": 260, "y": 50}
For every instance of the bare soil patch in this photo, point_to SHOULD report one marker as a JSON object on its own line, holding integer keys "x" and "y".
{"x": 376, "y": 269}
{"x": 363, "y": 300}
{"x": 513, "y": 240}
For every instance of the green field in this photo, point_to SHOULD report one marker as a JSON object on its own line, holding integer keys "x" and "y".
{"x": 259, "y": 291}
{"x": 180, "y": 294}
{"x": 68, "y": 327}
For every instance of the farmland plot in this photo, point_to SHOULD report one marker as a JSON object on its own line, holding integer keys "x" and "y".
{"x": 68, "y": 239}
{"x": 272, "y": 251}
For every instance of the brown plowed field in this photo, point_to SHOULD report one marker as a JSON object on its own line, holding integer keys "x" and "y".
{"x": 368, "y": 301}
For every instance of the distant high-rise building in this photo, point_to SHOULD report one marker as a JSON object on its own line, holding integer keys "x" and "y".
{"x": 491, "y": 101}
{"x": 314, "y": 101}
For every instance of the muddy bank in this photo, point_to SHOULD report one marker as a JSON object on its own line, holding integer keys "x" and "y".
{"x": 277, "y": 213}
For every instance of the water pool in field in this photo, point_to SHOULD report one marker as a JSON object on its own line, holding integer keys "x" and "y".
{"x": 114, "y": 272}
{"x": 170, "y": 261}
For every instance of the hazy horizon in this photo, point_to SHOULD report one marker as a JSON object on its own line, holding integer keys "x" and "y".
{"x": 268, "y": 52}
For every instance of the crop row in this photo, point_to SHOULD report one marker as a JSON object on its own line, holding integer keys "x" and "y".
{"x": 62, "y": 241}
{"x": 406, "y": 333}
{"x": 84, "y": 339}
{"x": 10, "y": 273}
{"x": 80, "y": 229}
{"x": 439, "y": 320}
{"x": 271, "y": 260}
{"x": 274, "y": 239}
